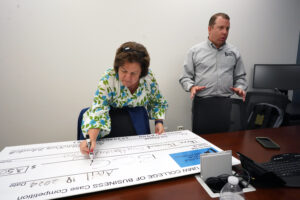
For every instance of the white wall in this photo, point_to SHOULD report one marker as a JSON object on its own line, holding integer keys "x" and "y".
{"x": 52, "y": 53}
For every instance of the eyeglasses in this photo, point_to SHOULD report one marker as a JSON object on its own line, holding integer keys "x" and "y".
{"x": 128, "y": 49}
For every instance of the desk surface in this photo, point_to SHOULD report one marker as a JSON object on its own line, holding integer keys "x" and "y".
{"x": 188, "y": 187}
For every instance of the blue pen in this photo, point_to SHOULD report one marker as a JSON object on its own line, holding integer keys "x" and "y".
{"x": 91, "y": 152}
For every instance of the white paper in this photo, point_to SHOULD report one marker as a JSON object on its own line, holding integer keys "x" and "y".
{"x": 54, "y": 170}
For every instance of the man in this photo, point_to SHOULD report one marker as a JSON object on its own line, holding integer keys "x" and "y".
{"x": 213, "y": 71}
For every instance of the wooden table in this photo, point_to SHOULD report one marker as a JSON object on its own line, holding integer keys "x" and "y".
{"x": 188, "y": 188}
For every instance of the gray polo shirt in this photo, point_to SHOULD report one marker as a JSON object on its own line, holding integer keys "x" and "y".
{"x": 216, "y": 69}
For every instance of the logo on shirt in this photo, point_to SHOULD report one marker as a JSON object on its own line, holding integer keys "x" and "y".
{"x": 229, "y": 53}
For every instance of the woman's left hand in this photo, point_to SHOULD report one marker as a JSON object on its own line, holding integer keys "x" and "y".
{"x": 159, "y": 128}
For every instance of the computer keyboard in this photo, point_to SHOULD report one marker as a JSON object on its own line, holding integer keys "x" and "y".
{"x": 284, "y": 165}
{"x": 282, "y": 169}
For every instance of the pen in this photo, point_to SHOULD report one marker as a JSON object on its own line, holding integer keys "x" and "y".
{"x": 91, "y": 152}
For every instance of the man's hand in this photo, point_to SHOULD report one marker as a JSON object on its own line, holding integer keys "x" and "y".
{"x": 159, "y": 128}
{"x": 239, "y": 92}
{"x": 196, "y": 89}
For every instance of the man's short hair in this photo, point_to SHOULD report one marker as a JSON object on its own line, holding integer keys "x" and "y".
{"x": 213, "y": 18}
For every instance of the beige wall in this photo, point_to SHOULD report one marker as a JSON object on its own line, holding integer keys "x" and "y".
{"x": 53, "y": 52}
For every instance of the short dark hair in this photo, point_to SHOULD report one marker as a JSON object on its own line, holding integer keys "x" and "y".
{"x": 213, "y": 18}
{"x": 132, "y": 52}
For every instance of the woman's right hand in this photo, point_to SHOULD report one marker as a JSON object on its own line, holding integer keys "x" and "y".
{"x": 83, "y": 147}
{"x": 93, "y": 133}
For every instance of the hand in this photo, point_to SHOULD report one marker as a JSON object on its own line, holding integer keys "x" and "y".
{"x": 159, "y": 128}
{"x": 196, "y": 89}
{"x": 83, "y": 147}
{"x": 93, "y": 133}
{"x": 239, "y": 92}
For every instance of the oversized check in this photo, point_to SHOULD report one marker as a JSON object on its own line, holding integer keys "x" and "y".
{"x": 55, "y": 170}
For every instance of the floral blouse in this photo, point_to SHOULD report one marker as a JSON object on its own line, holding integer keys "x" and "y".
{"x": 111, "y": 92}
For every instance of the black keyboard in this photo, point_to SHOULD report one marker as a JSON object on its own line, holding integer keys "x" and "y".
{"x": 282, "y": 169}
{"x": 284, "y": 165}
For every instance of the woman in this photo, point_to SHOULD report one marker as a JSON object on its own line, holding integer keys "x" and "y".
{"x": 129, "y": 84}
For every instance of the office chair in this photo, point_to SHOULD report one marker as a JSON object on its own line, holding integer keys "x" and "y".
{"x": 79, "y": 131}
{"x": 293, "y": 109}
{"x": 125, "y": 121}
{"x": 238, "y": 115}
{"x": 211, "y": 115}
{"x": 264, "y": 109}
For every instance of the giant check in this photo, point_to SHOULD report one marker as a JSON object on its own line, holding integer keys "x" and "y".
{"x": 54, "y": 170}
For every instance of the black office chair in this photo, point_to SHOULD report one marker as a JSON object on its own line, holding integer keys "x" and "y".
{"x": 238, "y": 115}
{"x": 293, "y": 109}
{"x": 79, "y": 131}
{"x": 124, "y": 122}
{"x": 211, "y": 115}
{"x": 264, "y": 109}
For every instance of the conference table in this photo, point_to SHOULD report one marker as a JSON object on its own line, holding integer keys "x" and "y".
{"x": 188, "y": 188}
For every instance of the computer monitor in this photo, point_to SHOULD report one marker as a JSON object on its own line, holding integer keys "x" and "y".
{"x": 279, "y": 76}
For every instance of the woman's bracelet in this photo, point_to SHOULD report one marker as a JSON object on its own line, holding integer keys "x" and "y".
{"x": 159, "y": 121}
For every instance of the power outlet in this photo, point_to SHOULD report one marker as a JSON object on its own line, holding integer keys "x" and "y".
{"x": 180, "y": 128}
